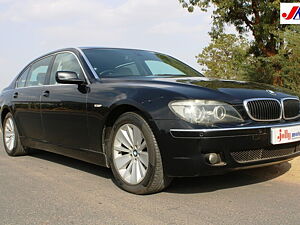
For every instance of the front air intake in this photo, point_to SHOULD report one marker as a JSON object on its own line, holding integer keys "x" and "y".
{"x": 262, "y": 154}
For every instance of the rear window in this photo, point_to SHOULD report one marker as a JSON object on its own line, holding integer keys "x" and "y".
{"x": 38, "y": 72}
{"x": 22, "y": 79}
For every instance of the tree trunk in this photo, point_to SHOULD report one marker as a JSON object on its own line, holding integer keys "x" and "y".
{"x": 277, "y": 81}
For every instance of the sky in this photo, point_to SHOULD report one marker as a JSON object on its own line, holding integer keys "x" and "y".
{"x": 31, "y": 28}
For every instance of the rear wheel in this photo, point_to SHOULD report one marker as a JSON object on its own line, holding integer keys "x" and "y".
{"x": 135, "y": 157}
{"x": 11, "y": 138}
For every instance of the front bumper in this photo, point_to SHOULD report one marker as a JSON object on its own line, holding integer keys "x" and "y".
{"x": 184, "y": 150}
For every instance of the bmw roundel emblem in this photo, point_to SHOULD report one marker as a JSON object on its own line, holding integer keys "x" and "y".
{"x": 271, "y": 92}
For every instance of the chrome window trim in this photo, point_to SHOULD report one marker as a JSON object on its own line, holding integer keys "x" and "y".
{"x": 47, "y": 85}
{"x": 257, "y": 99}
{"x": 88, "y": 63}
{"x": 53, "y": 54}
{"x": 237, "y": 128}
{"x": 283, "y": 113}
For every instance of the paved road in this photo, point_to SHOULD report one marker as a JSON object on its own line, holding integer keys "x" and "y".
{"x": 45, "y": 188}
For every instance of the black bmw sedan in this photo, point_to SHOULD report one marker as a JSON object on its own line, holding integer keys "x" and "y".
{"x": 147, "y": 116}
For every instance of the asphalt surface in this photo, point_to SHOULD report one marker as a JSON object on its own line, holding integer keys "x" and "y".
{"x": 46, "y": 188}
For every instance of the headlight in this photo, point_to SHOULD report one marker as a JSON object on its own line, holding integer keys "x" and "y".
{"x": 205, "y": 112}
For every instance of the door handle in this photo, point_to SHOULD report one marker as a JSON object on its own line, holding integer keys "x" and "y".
{"x": 16, "y": 94}
{"x": 46, "y": 94}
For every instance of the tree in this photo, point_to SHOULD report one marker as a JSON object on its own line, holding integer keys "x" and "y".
{"x": 226, "y": 57}
{"x": 285, "y": 65}
{"x": 257, "y": 17}
{"x": 291, "y": 58}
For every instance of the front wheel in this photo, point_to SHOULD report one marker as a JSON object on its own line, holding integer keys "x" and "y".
{"x": 135, "y": 157}
{"x": 11, "y": 139}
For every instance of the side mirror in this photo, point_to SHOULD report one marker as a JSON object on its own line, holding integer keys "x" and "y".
{"x": 68, "y": 77}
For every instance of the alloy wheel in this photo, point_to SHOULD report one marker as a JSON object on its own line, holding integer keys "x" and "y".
{"x": 9, "y": 134}
{"x": 130, "y": 154}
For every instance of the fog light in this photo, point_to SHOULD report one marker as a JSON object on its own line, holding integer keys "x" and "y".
{"x": 213, "y": 158}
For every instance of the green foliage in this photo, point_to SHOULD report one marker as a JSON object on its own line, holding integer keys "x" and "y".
{"x": 259, "y": 17}
{"x": 225, "y": 57}
{"x": 282, "y": 69}
{"x": 273, "y": 55}
{"x": 228, "y": 57}
{"x": 291, "y": 69}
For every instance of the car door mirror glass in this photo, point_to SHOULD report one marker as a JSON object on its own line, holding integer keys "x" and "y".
{"x": 68, "y": 77}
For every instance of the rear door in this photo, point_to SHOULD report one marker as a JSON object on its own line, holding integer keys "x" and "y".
{"x": 64, "y": 106}
{"x": 27, "y": 96}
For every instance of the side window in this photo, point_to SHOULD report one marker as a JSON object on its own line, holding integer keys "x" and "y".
{"x": 65, "y": 62}
{"x": 38, "y": 72}
{"x": 22, "y": 79}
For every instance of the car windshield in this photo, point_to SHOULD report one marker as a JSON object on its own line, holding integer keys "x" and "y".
{"x": 125, "y": 62}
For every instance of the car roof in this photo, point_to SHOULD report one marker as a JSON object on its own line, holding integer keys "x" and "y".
{"x": 72, "y": 49}
{"x": 79, "y": 49}
{"x": 113, "y": 48}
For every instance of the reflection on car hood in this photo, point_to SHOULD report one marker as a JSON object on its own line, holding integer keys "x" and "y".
{"x": 209, "y": 88}
{"x": 236, "y": 89}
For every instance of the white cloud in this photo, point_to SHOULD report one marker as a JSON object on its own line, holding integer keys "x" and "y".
{"x": 5, "y": 74}
{"x": 39, "y": 26}
{"x": 5, "y": 1}
{"x": 171, "y": 27}
{"x": 70, "y": 22}
{"x": 60, "y": 10}
{"x": 95, "y": 17}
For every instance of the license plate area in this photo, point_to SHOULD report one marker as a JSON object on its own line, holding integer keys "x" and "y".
{"x": 283, "y": 135}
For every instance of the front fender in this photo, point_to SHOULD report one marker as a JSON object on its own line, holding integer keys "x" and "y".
{"x": 151, "y": 101}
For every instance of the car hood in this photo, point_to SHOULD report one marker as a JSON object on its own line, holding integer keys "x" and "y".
{"x": 209, "y": 88}
{"x": 240, "y": 90}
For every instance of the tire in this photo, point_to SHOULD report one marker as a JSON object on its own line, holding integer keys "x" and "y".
{"x": 14, "y": 146}
{"x": 149, "y": 180}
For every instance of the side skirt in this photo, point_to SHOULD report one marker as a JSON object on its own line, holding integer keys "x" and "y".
{"x": 97, "y": 158}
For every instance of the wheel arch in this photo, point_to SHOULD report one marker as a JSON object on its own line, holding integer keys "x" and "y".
{"x": 116, "y": 112}
{"x": 5, "y": 110}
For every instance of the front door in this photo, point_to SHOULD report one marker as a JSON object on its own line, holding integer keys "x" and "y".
{"x": 63, "y": 107}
